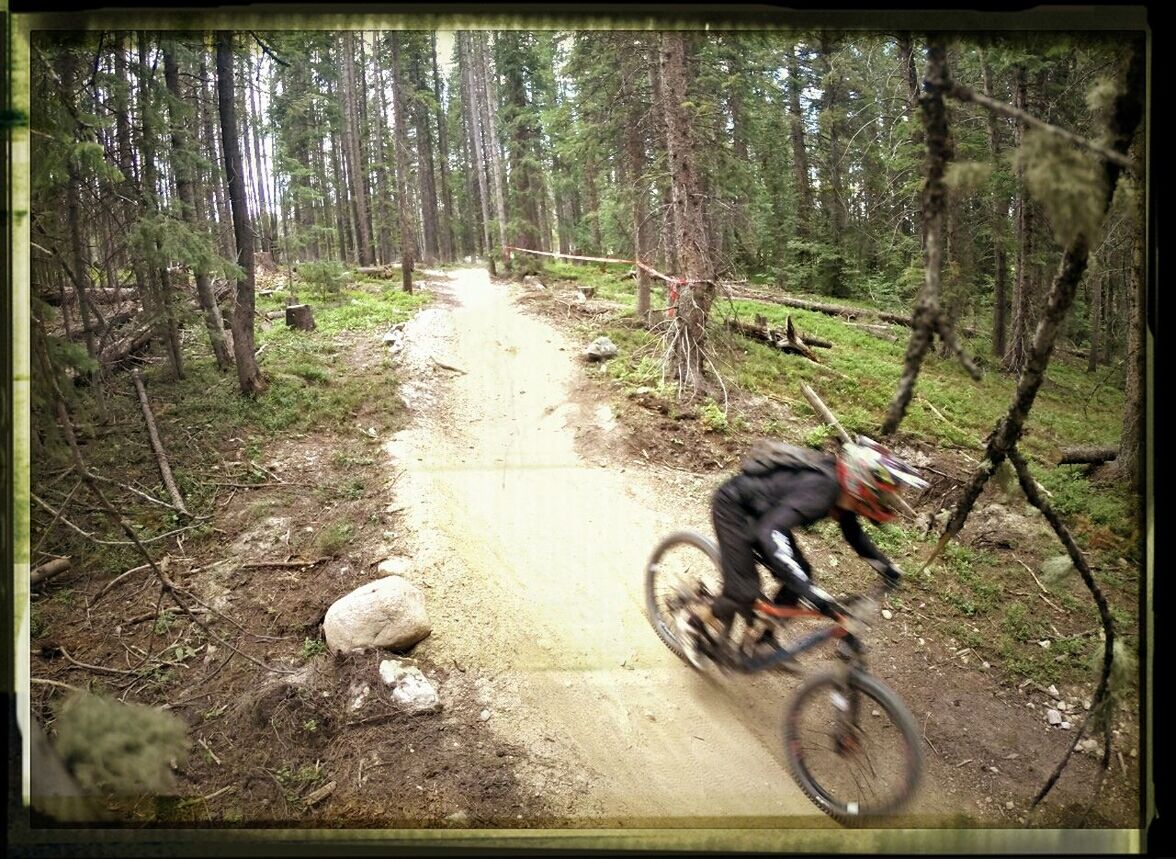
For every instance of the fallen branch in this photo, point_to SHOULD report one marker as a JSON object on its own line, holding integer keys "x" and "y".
{"x": 168, "y": 586}
{"x": 264, "y": 564}
{"x": 157, "y": 445}
{"x": 1087, "y": 455}
{"x": 445, "y": 366}
{"x": 47, "y": 571}
{"x": 1101, "y": 694}
{"x": 115, "y": 581}
{"x": 821, "y": 409}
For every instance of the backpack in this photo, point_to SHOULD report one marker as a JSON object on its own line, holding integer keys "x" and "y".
{"x": 767, "y": 456}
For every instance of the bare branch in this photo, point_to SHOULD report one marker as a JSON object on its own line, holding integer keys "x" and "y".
{"x": 963, "y": 93}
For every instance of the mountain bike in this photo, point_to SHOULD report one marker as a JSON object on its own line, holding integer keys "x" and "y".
{"x": 850, "y": 742}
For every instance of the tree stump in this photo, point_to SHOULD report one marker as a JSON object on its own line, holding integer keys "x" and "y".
{"x": 300, "y": 316}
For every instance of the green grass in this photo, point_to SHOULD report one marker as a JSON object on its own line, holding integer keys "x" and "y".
{"x": 332, "y": 538}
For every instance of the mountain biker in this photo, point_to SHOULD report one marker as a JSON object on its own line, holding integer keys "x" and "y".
{"x": 781, "y": 487}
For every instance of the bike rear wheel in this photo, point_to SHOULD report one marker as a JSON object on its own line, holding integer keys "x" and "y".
{"x": 854, "y": 751}
{"x": 679, "y": 566}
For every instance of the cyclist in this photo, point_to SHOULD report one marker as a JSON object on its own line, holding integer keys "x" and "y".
{"x": 781, "y": 487}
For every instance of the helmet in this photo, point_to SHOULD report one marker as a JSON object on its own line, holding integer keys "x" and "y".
{"x": 873, "y": 478}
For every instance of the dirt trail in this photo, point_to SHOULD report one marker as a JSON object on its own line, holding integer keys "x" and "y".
{"x": 534, "y": 552}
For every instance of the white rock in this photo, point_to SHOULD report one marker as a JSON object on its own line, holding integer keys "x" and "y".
{"x": 411, "y": 689}
{"x": 389, "y": 612}
{"x": 1061, "y": 705}
{"x": 1009, "y": 805}
{"x": 1044, "y": 643}
{"x": 457, "y": 817}
{"x": 1065, "y": 726}
{"x": 1053, "y": 691}
{"x": 887, "y": 613}
{"x": 484, "y": 716}
{"x": 394, "y": 566}
{"x": 1053, "y": 717}
{"x": 361, "y": 698}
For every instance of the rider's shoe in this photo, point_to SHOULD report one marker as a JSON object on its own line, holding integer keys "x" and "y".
{"x": 704, "y": 640}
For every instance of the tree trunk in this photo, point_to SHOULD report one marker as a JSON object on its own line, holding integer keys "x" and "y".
{"x": 1129, "y": 463}
{"x": 999, "y": 215}
{"x": 804, "y": 194}
{"x": 697, "y": 293}
{"x": 300, "y": 316}
{"x": 424, "y": 147}
{"x": 446, "y": 225}
{"x": 833, "y": 198}
{"x": 356, "y": 166}
{"x": 169, "y": 330}
{"x": 79, "y": 249}
{"x": 180, "y": 148}
{"x": 248, "y": 373}
{"x": 485, "y": 81}
{"x": 479, "y": 139}
{"x": 638, "y": 184}
{"x": 1014, "y": 358}
{"x": 224, "y": 232}
{"x": 407, "y": 234}
{"x": 263, "y": 212}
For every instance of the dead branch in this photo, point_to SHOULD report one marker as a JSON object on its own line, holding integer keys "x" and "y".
{"x": 261, "y": 565}
{"x": 160, "y": 455}
{"x": 109, "y": 585}
{"x": 823, "y": 410}
{"x": 786, "y": 342}
{"x": 48, "y": 570}
{"x": 1101, "y": 694}
{"x": 168, "y": 586}
{"x": 445, "y": 366}
{"x": 1087, "y": 455}
{"x": 841, "y": 310}
{"x": 963, "y": 93}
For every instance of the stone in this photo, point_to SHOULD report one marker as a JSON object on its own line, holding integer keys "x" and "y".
{"x": 394, "y": 566}
{"x": 410, "y": 689}
{"x": 1053, "y": 691}
{"x": 1053, "y": 717}
{"x": 887, "y": 613}
{"x": 600, "y": 349}
{"x": 484, "y": 716}
{"x": 389, "y": 612}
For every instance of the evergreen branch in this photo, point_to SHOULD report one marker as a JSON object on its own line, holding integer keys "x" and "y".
{"x": 269, "y": 52}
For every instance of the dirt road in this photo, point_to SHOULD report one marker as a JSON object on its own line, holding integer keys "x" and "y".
{"x": 535, "y": 544}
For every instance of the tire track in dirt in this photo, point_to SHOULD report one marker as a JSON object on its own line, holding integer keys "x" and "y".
{"x": 534, "y": 557}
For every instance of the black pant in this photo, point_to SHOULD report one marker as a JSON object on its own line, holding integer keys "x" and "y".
{"x": 745, "y": 519}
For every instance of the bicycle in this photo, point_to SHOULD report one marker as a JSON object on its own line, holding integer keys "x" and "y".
{"x": 875, "y": 764}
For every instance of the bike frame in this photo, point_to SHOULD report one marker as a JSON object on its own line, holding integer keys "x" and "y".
{"x": 784, "y": 653}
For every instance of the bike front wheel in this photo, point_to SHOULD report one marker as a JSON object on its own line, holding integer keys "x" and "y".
{"x": 681, "y": 570}
{"x": 852, "y": 746}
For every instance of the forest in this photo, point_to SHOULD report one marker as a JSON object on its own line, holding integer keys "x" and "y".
{"x": 218, "y": 218}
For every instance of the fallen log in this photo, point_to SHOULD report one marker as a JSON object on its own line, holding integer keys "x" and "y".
{"x": 1087, "y": 455}
{"x": 882, "y": 332}
{"x": 48, "y": 570}
{"x": 843, "y": 311}
{"x": 96, "y": 294}
{"x": 788, "y": 341}
{"x": 123, "y": 348}
{"x": 160, "y": 456}
{"x": 381, "y": 271}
